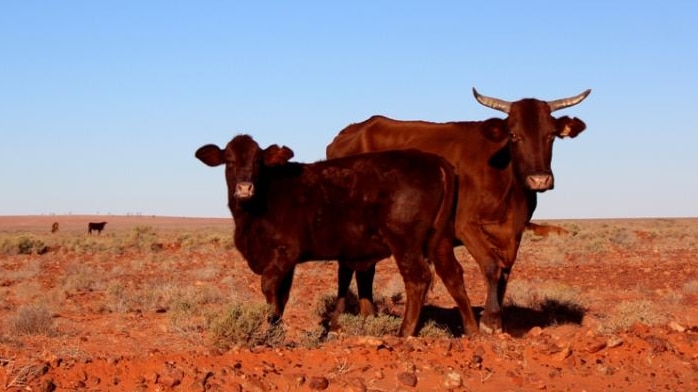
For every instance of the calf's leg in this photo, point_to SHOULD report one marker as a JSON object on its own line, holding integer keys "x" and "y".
{"x": 417, "y": 277}
{"x": 276, "y": 286}
{"x": 451, "y": 273}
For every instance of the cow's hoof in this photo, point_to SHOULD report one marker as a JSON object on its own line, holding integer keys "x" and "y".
{"x": 490, "y": 325}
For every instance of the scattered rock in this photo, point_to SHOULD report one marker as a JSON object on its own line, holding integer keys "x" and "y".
{"x": 595, "y": 347}
{"x": 614, "y": 341}
{"x": 318, "y": 383}
{"x": 356, "y": 384}
{"x": 535, "y": 332}
{"x": 453, "y": 380}
{"x": 47, "y": 386}
{"x": 677, "y": 327}
{"x": 563, "y": 354}
{"x": 199, "y": 384}
{"x": 296, "y": 379}
{"x": 407, "y": 378}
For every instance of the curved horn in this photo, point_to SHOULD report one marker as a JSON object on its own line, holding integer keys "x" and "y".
{"x": 567, "y": 102}
{"x": 494, "y": 103}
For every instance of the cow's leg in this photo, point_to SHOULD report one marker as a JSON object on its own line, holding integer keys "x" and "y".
{"x": 276, "y": 286}
{"x": 417, "y": 277}
{"x": 451, "y": 273}
{"x": 364, "y": 284}
{"x": 494, "y": 247}
{"x": 484, "y": 253}
{"x": 344, "y": 275}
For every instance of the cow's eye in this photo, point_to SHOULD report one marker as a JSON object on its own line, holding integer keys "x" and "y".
{"x": 515, "y": 137}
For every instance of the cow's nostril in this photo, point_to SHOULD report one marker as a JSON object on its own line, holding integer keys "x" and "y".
{"x": 540, "y": 182}
{"x": 244, "y": 190}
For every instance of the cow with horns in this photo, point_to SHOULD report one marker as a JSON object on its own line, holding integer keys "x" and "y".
{"x": 501, "y": 165}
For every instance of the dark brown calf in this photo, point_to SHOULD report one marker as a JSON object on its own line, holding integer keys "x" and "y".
{"x": 357, "y": 210}
{"x": 54, "y": 227}
{"x": 97, "y": 226}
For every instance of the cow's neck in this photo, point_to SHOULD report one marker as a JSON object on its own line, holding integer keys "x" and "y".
{"x": 244, "y": 217}
{"x": 502, "y": 186}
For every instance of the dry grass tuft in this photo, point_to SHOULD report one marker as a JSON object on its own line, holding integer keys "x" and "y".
{"x": 33, "y": 320}
{"x": 244, "y": 324}
{"x": 627, "y": 313}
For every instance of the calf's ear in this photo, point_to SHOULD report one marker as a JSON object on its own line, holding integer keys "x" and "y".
{"x": 569, "y": 127}
{"x": 275, "y": 155}
{"x": 210, "y": 154}
{"x": 495, "y": 129}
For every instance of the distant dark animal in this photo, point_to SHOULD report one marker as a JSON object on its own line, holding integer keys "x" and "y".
{"x": 501, "y": 165}
{"x": 357, "y": 210}
{"x": 545, "y": 230}
{"x": 54, "y": 227}
{"x": 97, "y": 226}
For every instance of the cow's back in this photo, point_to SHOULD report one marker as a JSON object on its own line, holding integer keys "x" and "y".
{"x": 342, "y": 208}
{"x": 483, "y": 187}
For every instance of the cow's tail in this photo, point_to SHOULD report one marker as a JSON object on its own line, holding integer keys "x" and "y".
{"x": 444, "y": 216}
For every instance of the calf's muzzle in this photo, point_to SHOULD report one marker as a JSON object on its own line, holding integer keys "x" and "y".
{"x": 540, "y": 182}
{"x": 244, "y": 190}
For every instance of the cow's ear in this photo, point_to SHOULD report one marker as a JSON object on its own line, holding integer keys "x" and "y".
{"x": 569, "y": 127}
{"x": 495, "y": 129}
{"x": 275, "y": 155}
{"x": 211, "y": 155}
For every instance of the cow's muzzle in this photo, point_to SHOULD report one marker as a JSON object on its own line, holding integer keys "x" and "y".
{"x": 244, "y": 190}
{"x": 540, "y": 182}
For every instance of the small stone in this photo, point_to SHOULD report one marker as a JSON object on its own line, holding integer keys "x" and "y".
{"x": 595, "y": 347}
{"x": 47, "y": 386}
{"x": 535, "y": 332}
{"x": 409, "y": 379}
{"x": 453, "y": 380}
{"x": 356, "y": 384}
{"x": 677, "y": 327}
{"x": 318, "y": 383}
{"x": 562, "y": 355}
{"x": 614, "y": 341}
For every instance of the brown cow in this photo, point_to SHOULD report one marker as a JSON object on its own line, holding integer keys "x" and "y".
{"x": 500, "y": 163}
{"x": 54, "y": 227}
{"x": 97, "y": 226}
{"x": 357, "y": 210}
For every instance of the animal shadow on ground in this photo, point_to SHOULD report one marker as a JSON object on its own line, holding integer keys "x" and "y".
{"x": 517, "y": 320}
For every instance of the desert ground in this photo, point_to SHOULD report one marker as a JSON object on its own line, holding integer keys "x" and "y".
{"x": 167, "y": 304}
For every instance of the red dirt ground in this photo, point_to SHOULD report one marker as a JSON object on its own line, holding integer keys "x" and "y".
{"x": 628, "y": 321}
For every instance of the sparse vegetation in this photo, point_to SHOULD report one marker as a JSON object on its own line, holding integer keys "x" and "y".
{"x": 535, "y": 294}
{"x": 614, "y": 285}
{"x": 33, "y": 320}
{"x": 244, "y": 324}
{"x": 627, "y": 313}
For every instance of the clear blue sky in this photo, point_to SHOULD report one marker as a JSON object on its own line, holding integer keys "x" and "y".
{"x": 102, "y": 104}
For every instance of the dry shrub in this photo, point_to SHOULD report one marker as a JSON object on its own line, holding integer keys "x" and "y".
{"x": 244, "y": 324}
{"x": 25, "y": 244}
{"x": 627, "y": 313}
{"x": 27, "y": 271}
{"x": 79, "y": 278}
{"x": 33, "y": 320}
{"x": 381, "y": 325}
{"x": 538, "y": 303}
{"x": 432, "y": 329}
{"x": 534, "y": 294}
